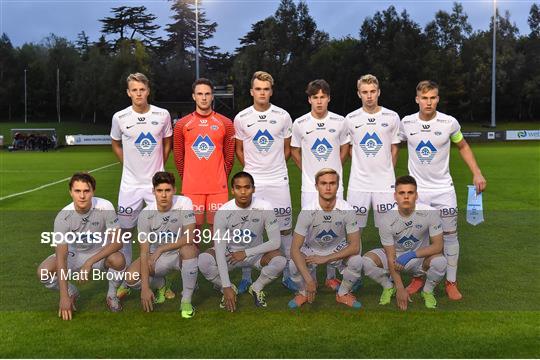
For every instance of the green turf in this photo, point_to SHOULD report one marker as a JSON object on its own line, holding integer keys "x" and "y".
{"x": 498, "y": 317}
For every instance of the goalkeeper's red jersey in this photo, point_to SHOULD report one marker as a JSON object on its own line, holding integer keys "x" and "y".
{"x": 204, "y": 152}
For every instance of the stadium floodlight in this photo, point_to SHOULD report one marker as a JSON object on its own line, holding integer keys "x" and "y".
{"x": 493, "y": 65}
{"x": 196, "y": 39}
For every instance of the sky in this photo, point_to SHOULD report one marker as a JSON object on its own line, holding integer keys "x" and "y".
{"x": 33, "y": 20}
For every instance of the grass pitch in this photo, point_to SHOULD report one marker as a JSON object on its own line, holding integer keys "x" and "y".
{"x": 499, "y": 316}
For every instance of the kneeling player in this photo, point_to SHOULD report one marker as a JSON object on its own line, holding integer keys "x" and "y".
{"x": 413, "y": 243}
{"x": 326, "y": 232}
{"x": 165, "y": 235}
{"x": 238, "y": 243}
{"x": 88, "y": 226}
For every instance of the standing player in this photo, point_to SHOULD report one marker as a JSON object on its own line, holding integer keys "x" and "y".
{"x": 373, "y": 132}
{"x": 428, "y": 134}
{"x": 141, "y": 139}
{"x": 88, "y": 225}
{"x": 165, "y": 230}
{"x": 326, "y": 232}
{"x": 263, "y": 138}
{"x": 319, "y": 140}
{"x": 412, "y": 243}
{"x": 204, "y": 153}
{"x": 238, "y": 239}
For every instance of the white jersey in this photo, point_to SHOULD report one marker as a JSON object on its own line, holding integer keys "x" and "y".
{"x": 239, "y": 229}
{"x": 263, "y": 135}
{"x": 142, "y": 143}
{"x": 160, "y": 228}
{"x": 320, "y": 141}
{"x": 428, "y": 143}
{"x": 372, "y": 136}
{"x": 87, "y": 231}
{"x": 325, "y": 230}
{"x": 410, "y": 233}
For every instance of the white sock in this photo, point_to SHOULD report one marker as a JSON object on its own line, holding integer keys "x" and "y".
{"x": 435, "y": 273}
{"x": 286, "y": 241}
{"x": 189, "y": 278}
{"x": 451, "y": 252}
{"x": 295, "y": 276}
{"x": 209, "y": 269}
{"x": 269, "y": 272}
{"x": 377, "y": 274}
{"x": 116, "y": 282}
{"x": 127, "y": 252}
{"x": 246, "y": 273}
{"x": 157, "y": 282}
{"x": 351, "y": 274}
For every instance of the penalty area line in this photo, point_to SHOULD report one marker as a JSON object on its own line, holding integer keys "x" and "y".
{"x": 53, "y": 183}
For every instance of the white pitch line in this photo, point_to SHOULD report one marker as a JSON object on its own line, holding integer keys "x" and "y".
{"x": 53, "y": 183}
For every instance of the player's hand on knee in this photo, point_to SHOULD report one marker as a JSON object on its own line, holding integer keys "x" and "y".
{"x": 402, "y": 299}
{"x": 237, "y": 256}
{"x": 147, "y": 300}
{"x": 315, "y": 260}
{"x": 311, "y": 290}
{"x": 230, "y": 298}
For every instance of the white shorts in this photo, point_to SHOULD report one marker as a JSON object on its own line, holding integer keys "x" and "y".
{"x": 413, "y": 267}
{"x": 167, "y": 262}
{"x": 130, "y": 204}
{"x": 382, "y": 202}
{"x": 75, "y": 260}
{"x": 309, "y": 197}
{"x": 279, "y": 196}
{"x": 446, "y": 203}
{"x": 338, "y": 264}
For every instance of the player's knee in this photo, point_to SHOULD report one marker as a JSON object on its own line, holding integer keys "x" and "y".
{"x": 438, "y": 264}
{"x": 279, "y": 262}
{"x": 355, "y": 264}
{"x": 206, "y": 261}
{"x": 116, "y": 261}
{"x": 189, "y": 252}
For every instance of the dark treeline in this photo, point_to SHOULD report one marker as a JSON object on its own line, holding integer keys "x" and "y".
{"x": 287, "y": 44}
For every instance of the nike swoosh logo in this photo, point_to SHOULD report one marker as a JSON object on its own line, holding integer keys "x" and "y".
{"x": 129, "y": 127}
{"x": 309, "y": 132}
{"x": 235, "y": 225}
{"x": 250, "y": 125}
{"x": 411, "y": 134}
{"x": 356, "y": 127}
{"x": 190, "y": 129}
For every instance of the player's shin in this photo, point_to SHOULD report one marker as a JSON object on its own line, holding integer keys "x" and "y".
{"x": 127, "y": 251}
{"x": 285, "y": 248}
{"x": 351, "y": 274}
{"x": 377, "y": 274}
{"x": 435, "y": 273}
{"x": 209, "y": 269}
{"x": 116, "y": 278}
{"x": 189, "y": 278}
{"x": 270, "y": 272}
{"x": 451, "y": 252}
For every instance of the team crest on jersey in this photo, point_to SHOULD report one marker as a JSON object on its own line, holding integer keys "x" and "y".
{"x": 321, "y": 149}
{"x": 146, "y": 144}
{"x": 325, "y": 237}
{"x": 371, "y": 144}
{"x": 425, "y": 151}
{"x": 408, "y": 241}
{"x": 263, "y": 140}
{"x": 203, "y": 147}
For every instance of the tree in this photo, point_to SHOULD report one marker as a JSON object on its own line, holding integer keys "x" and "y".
{"x": 534, "y": 21}
{"x": 130, "y": 23}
